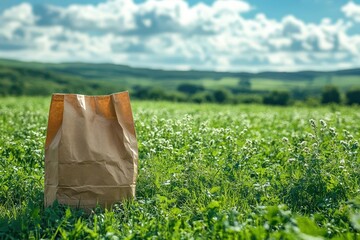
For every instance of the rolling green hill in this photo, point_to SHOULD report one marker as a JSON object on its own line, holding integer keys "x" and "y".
{"x": 34, "y": 78}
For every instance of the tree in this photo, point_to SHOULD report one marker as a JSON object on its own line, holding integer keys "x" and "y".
{"x": 202, "y": 97}
{"x": 176, "y": 96}
{"x": 277, "y": 98}
{"x": 17, "y": 88}
{"x": 221, "y": 96}
{"x": 156, "y": 94}
{"x": 4, "y": 87}
{"x": 140, "y": 92}
{"x": 353, "y": 96}
{"x": 330, "y": 94}
{"x": 190, "y": 88}
{"x": 299, "y": 94}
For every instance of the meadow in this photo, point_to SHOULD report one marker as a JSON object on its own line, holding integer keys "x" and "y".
{"x": 206, "y": 172}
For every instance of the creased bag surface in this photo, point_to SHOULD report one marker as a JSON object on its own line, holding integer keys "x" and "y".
{"x": 91, "y": 152}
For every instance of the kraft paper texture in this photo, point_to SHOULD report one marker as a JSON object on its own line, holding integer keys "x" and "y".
{"x": 91, "y": 153}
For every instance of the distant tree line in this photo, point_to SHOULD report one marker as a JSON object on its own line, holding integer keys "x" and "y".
{"x": 198, "y": 94}
{"x": 194, "y": 93}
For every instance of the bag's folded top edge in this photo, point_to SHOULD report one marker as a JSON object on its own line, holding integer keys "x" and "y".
{"x": 61, "y": 95}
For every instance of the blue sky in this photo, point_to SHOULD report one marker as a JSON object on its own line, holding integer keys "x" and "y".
{"x": 222, "y": 35}
{"x": 308, "y": 10}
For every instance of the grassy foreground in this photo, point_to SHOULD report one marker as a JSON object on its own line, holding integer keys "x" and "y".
{"x": 206, "y": 171}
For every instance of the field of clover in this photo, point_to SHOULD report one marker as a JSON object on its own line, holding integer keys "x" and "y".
{"x": 206, "y": 172}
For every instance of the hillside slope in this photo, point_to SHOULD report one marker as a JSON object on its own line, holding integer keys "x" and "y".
{"x": 33, "y": 78}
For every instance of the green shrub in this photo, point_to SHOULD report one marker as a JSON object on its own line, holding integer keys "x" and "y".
{"x": 222, "y": 96}
{"x": 353, "y": 96}
{"x": 330, "y": 94}
{"x": 190, "y": 88}
{"x": 277, "y": 98}
{"x": 202, "y": 97}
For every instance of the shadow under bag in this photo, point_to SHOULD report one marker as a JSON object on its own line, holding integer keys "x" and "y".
{"x": 91, "y": 152}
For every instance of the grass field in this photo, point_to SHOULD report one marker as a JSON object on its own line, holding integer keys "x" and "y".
{"x": 206, "y": 172}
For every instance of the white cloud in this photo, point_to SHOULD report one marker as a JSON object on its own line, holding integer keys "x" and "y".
{"x": 175, "y": 35}
{"x": 21, "y": 13}
{"x": 352, "y": 10}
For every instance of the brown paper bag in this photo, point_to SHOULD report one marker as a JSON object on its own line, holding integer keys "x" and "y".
{"x": 91, "y": 153}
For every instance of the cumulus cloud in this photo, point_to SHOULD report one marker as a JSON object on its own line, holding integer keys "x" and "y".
{"x": 175, "y": 35}
{"x": 352, "y": 10}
